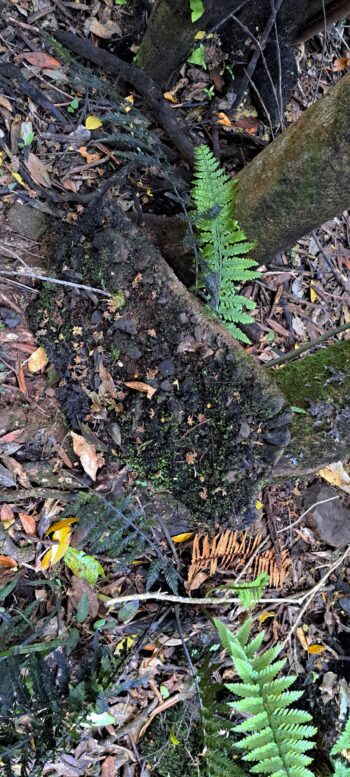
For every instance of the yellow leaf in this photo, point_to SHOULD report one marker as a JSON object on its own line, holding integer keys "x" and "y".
{"x": 63, "y": 539}
{"x": 259, "y": 505}
{"x": 92, "y": 122}
{"x": 124, "y": 644}
{"x": 199, "y": 35}
{"x": 313, "y": 293}
{"x": 57, "y": 551}
{"x": 301, "y": 637}
{"x": 186, "y": 535}
{"x": 316, "y": 649}
{"x": 170, "y": 97}
{"x": 265, "y": 615}
{"x": 223, "y": 119}
{"x": 19, "y": 178}
{"x": 129, "y": 99}
{"x": 173, "y": 739}
{"x": 61, "y": 524}
{"x": 38, "y": 360}
{"x": 336, "y": 475}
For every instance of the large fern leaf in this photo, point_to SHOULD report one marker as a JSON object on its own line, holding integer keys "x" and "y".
{"x": 277, "y": 738}
{"x": 222, "y": 243}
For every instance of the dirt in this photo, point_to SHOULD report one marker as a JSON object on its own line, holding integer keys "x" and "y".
{"x": 207, "y": 402}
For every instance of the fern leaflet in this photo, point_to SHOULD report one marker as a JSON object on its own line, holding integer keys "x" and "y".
{"x": 277, "y": 738}
{"x": 222, "y": 243}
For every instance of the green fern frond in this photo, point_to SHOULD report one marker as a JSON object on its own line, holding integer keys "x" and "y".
{"x": 278, "y": 738}
{"x": 222, "y": 243}
{"x": 340, "y": 770}
{"x": 343, "y": 741}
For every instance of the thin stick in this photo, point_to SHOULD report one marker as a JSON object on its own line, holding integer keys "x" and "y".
{"x": 330, "y": 264}
{"x": 48, "y": 279}
{"x": 287, "y": 357}
{"x": 312, "y": 593}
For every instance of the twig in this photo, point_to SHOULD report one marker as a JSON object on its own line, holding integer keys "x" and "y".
{"x": 295, "y": 523}
{"x": 312, "y": 593}
{"x": 330, "y": 264}
{"x": 287, "y": 357}
{"x": 144, "y": 84}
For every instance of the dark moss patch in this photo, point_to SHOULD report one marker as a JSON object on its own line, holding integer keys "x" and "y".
{"x": 201, "y": 431}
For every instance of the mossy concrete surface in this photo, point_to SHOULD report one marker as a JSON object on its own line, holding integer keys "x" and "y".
{"x": 319, "y": 384}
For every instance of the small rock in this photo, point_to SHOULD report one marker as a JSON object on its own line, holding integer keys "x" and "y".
{"x": 27, "y": 221}
{"x": 166, "y": 385}
{"x": 166, "y": 368}
{"x": 330, "y": 520}
{"x": 344, "y": 604}
{"x": 127, "y": 325}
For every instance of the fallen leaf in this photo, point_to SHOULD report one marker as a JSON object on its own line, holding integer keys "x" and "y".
{"x": 302, "y": 638}
{"x": 265, "y": 615}
{"x": 38, "y": 360}
{"x": 6, "y": 513}
{"x": 92, "y": 122}
{"x": 58, "y": 549}
{"x": 223, "y": 119}
{"x": 80, "y": 588}
{"x": 83, "y": 566}
{"x": 191, "y": 457}
{"x": 336, "y": 475}
{"x": 40, "y": 59}
{"x": 86, "y": 155}
{"x": 7, "y": 480}
{"x": 144, "y": 388}
{"x": 5, "y": 103}
{"x": 11, "y": 436}
{"x": 90, "y": 460}
{"x": 17, "y": 471}
{"x": 340, "y": 64}
{"x": 186, "y": 535}
{"x": 170, "y": 97}
{"x": 28, "y": 522}
{"x": 37, "y": 170}
{"x": 315, "y": 649}
{"x": 7, "y": 562}
{"x": 108, "y": 768}
{"x": 61, "y": 524}
{"x": 105, "y": 31}
{"x": 313, "y": 293}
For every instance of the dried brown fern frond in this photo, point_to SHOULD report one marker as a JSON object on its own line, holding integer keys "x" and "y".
{"x": 232, "y": 550}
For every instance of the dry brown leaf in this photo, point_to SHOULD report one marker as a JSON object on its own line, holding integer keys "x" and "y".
{"x": 108, "y": 768}
{"x": 28, "y": 523}
{"x": 340, "y": 64}
{"x": 7, "y": 562}
{"x": 86, "y": 155}
{"x": 144, "y": 388}
{"x": 21, "y": 380}
{"x": 107, "y": 386}
{"x": 78, "y": 589}
{"x": 5, "y": 103}
{"x": 16, "y": 470}
{"x": 11, "y": 436}
{"x": 90, "y": 460}
{"x": 38, "y": 360}
{"x": 39, "y": 59}
{"x": 37, "y": 170}
{"x": 223, "y": 119}
{"x": 6, "y": 513}
{"x": 105, "y": 31}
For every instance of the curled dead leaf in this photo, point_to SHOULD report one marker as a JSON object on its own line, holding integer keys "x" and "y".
{"x": 39, "y": 59}
{"x": 144, "y": 388}
{"x": 90, "y": 460}
{"x": 7, "y": 562}
{"x": 38, "y": 360}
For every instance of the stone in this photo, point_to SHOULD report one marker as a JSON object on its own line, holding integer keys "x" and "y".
{"x": 27, "y": 221}
{"x": 330, "y": 521}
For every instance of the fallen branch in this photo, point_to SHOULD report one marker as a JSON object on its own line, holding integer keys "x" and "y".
{"x": 145, "y": 85}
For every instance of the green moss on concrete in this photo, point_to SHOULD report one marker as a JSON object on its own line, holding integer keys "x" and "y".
{"x": 312, "y": 378}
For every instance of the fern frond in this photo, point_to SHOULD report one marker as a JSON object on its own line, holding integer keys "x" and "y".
{"x": 222, "y": 242}
{"x": 340, "y": 770}
{"x": 343, "y": 741}
{"x": 278, "y": 737}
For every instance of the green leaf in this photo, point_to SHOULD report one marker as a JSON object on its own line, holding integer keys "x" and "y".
{"x": 83, "y": 608}
{"x": 128, "y": 611}
{"x": 198, "y": 57}
{"x": 296, "y": 409}
{"x": 83, "y": 566}
{"x": 98, "y": 719}
{"x": 164, "y": 692}
{"x": 197, "y": 10}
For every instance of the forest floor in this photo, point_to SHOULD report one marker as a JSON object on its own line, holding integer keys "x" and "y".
{"x": 81, "y": 526}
